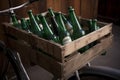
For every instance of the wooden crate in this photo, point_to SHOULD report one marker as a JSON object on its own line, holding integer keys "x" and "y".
{"x": 60, "y": 60}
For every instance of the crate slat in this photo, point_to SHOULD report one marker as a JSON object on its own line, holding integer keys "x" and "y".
{"x": 51, "y": 48}
{"x": 81, "y": 59}
{"x": 56, "y": 50}
{"x": 2, "y": 30}
{"x": 85, "y": 40}
{"x": 15, "y": 32}
{"x": 51, "y": 65}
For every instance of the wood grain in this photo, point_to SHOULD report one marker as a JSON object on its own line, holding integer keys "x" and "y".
{"x": 85, "y": 40}
{"x": 81, "y": 59}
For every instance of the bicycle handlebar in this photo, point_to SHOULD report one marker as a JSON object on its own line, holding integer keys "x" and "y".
{"x": 18, "y": 7}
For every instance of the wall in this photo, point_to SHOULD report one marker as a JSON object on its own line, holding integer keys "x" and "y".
{"x": 109, "y": 10}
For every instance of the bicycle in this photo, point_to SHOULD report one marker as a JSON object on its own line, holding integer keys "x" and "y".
{"x": 86, "y": 72}
{"x": 14, "y": 58}
{"x": 98, "y": 73}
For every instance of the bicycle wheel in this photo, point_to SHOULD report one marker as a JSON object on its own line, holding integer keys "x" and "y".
{"x": 98, "y": 73}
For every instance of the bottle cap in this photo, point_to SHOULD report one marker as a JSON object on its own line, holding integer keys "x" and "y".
{"x": 30, "y": 11}
{"x": 71, "y": 8}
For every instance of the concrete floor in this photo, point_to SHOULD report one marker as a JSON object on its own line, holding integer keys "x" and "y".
{"x": 111, "y": 59}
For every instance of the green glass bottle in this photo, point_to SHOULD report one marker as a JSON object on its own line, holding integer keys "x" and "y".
{"x": 34, "y": 25}
{"x": 48, "y": 34}
{"x": 93, "y": 25}
{"x": 64, "y": 35}
{"x": 77, "y": 29}
{"x": 37, "y": 19}
{"x": 24, "y": 24}
{"x": 90, "y": 28}
{"x": 15, "y": 21}
{"x": 54, "y": 22}
{"x": 28, "y": 24}
{"x": 67, "y": 25}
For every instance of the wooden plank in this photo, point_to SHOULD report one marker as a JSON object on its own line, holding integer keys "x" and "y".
{"x": 50, "y": 3}
{"x": 15, "y": 32}
{"x": 64, "y": 6}
{"x": 50, "y": 64}
{"x": 2, "y": 29}
{"x": 50, "y": 48}
{"x": 2, "y": 34}
{"x": 85, "y": 40}
{"x": 70, "y": 3}
{"x": 89, "y": 8}
{"x": 77, "y": 6}
{"x": 43, "y": 5}
{"x": 2, "y": 37}
{"x": 24, "y": 50}
{"x": 57, "y": 5}
{"x": 81, "y": 59}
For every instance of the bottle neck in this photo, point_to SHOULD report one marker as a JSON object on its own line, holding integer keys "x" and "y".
{"x": 51, "y": 12}
{"x": 46, "y": 27}
{"x": 14, "y": 20}
{"x": 31, "y": 15}
{"x": 67, "y": 23}
{"x": 23, "y": 24}
{"x": 91, "y": 28}
{"x": 64, "y": 19}
{"x": 74, "y": 21}
{"x": 94, "y": 22}
{"x": 28, "y": 23}
{"x": 33, "y": 21}
{"x": 60, "y": 21}
{"x": 37, "y": 19}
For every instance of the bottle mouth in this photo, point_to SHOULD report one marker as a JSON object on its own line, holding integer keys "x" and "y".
{"x": 29, "y": 11}
{"x": 71, "y": 8}
{"x": 58, "y": 13}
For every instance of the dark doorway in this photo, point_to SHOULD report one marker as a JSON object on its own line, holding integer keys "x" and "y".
{"x": 109, "y": 11}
